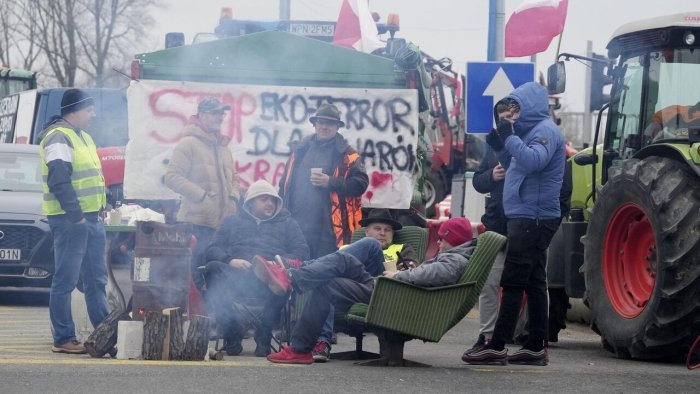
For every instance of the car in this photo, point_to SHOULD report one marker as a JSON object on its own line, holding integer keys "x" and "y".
{"x": 26, "y": 244}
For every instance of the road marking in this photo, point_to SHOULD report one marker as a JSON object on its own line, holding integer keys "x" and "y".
{"x": 95, "y": 361}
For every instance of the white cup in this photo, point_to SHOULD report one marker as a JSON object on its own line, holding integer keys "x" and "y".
{"x": 317, "y": 170}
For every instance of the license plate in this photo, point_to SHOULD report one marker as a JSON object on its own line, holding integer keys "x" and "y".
{"x": 312, "y": 29}
{"x": 10, "y": 254}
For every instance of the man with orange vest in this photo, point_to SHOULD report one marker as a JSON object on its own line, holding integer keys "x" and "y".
{"x": 322, "y": 184}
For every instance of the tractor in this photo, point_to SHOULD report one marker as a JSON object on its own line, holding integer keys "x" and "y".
{"x": 631, "y": 248}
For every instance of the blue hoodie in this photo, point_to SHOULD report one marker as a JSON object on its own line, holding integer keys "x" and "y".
{"x": 535, "y": 172}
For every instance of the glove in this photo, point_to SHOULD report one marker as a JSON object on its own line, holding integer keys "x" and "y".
{"x": 494, "y": 140}
{"x": 505, "y": 129}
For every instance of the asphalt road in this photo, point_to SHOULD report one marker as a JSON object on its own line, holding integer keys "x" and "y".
{"x": 578, "y": 364}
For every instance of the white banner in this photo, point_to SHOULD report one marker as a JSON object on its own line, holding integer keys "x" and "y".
{"x": 381, "y": 124}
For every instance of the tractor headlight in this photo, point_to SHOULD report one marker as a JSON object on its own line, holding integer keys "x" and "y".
{"x": 689, "y": 38}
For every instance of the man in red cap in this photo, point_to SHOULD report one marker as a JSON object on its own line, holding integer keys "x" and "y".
{"x": 341, "y": 280}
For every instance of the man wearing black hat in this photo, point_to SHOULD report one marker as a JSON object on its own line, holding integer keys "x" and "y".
{"x": 201, "y": 171}
{"x": 322, "y": 184}
{"x": 377, "y": 247}
{"x": 74, "y": 195}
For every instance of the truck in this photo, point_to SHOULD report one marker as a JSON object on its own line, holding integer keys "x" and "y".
{"x": 12, "y": 81}
{"x": 282, "y": 59}
{"x": 447, "y": 145}
{"x": 631, "y": 249}
{"x": 32, "y": 109}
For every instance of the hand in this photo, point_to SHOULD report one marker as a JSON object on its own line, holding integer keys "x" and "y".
{"x": 389, "y": 274}
{"x": 498, "y": 173}
{"x": 505, "y": 129}
{"x": 239, "y": 263}
{"x": 319, "y": 179}
{"x": 494, "y": 140}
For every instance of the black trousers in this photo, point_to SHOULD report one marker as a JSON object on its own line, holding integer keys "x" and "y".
{"x": 237, "y": 298}
{"x": 338, "y": 279}
{"x": 525, "y": 270}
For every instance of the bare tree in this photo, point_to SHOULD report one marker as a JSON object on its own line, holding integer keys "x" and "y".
{"x": 78, "y": 40}
{"x": 17, "y": 35}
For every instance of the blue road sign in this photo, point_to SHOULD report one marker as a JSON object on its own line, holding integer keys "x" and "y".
{"x": 488, "y": 82}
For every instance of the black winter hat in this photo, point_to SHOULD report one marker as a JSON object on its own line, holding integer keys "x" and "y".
{"x": 74, "y": 100}
{"x": 382, "y": 216}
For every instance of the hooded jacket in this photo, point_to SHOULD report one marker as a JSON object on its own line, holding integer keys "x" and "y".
{"x": 243, "y": 235}
{"x": 534, "y": 173}
{"x": 445, "y": 269}
{"x": 201, "y": 171}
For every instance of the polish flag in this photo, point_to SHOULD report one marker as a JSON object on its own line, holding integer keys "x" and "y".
{"x": 356, "y": 28}
{"x": 533, "y": 25}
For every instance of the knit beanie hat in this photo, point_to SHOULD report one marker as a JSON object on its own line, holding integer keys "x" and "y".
{"x": 74, "y": 100}
{"x": 456, "y": 231}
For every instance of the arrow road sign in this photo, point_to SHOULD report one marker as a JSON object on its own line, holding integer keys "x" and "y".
{"x": 486, "y": 84}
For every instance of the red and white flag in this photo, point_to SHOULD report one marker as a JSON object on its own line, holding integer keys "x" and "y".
{"x": 533, "y": 25}
{"x": 356, "y": 28}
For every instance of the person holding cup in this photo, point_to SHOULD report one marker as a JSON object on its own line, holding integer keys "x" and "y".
{"x": 322, "y": 184}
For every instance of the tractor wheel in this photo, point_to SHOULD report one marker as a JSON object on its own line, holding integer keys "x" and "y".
{"x": 433, "y": 192}
{"x": 642, "y": 259}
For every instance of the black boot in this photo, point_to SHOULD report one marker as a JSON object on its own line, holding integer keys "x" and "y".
{"x": 233, "y": 337}
{"x": 262, "y": 342}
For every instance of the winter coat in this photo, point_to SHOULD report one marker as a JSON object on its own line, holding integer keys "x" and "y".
{"x": 445, "y": 269}
{"x": 243, "y": 235}
{"x": 201, "y": 171}
{"x": 534, "y": 173}
{"x": 348, "y": 181}
{"x": 494, "y": 219}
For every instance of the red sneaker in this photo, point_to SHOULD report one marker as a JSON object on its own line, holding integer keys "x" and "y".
{"x": 289, "y": 356}
{"x": 273, "y": 275}
{"x": 288, "y": 263}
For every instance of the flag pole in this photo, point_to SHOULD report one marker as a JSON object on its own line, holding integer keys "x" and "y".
{"x": 556, "y": 56}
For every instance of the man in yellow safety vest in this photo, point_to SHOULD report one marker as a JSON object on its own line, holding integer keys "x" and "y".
{"x": 74, "y": 195}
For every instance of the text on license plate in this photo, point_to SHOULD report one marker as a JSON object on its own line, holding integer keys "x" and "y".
{"x": 312, "y": 29}
{"x": 10, "y": 254}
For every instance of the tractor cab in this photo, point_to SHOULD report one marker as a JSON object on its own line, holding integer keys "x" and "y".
{"x": 655, "y": 95}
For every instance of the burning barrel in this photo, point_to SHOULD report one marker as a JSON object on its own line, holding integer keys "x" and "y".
{"x": 161, "y": 271}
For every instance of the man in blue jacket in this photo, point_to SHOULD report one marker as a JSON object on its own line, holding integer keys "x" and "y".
{"x": 534, "y": 174}
{"x": 263, "y": 227}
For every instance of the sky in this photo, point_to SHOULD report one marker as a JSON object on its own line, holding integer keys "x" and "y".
{"x": 457, "y": 29}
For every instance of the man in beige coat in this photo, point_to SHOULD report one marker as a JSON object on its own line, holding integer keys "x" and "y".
{"x": 201, "y": 171}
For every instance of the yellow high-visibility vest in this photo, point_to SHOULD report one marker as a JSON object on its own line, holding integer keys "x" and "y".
{"x": 87, "y": 179}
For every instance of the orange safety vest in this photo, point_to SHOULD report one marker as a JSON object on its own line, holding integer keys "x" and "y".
{"x": 346, "y": 212}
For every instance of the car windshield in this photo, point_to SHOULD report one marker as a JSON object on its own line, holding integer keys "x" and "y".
{"x": 20, "y": 172}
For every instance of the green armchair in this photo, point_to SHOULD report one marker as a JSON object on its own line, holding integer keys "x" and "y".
{"x": 399, "y": 311}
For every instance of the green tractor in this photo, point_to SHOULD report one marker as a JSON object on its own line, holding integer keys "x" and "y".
{"x": 632, "y": 248}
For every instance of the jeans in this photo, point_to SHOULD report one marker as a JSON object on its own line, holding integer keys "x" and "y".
{"x": 490, "y": 299}
{"x": 79, "y": 253}
{"x": 525, "y": 270}
{"x": 237, "y": 299}
{"x": 338, "y": 280}
{"x": 199, "y": 253}
{"x": 369, "y": 252}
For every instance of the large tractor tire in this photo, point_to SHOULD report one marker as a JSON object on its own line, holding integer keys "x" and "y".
{"x": 642, "y": 259}
{"x": 433, "y": 192}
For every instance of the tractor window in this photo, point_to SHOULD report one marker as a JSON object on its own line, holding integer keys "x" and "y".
{"x": 673, "y": 101}
{"x": 626, "y": 106}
